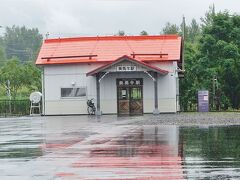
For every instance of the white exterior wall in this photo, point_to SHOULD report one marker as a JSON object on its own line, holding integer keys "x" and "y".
{"x": 60, "y": 76}
{"x": 167, "y": 87}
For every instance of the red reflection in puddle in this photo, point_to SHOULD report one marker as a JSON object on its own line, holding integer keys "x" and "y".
{"x": 102, "y": 141}
{"x": 63, "y": 174}
{"x": 144, "y": 154}
{"x": 146, "y": 162}
{"x": 52, "y": 145}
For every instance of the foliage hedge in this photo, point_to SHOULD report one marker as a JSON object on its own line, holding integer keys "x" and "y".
{"x": 14, "y": 107}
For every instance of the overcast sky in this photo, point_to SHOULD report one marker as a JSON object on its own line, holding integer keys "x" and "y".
{"x": 63, "y": 18}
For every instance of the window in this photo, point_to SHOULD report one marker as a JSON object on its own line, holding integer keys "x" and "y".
{"x": 73, "y": 92}
{"x": 136, "y": 93}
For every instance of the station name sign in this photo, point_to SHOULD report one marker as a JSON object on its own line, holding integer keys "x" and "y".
{"x": 130, "y": 82}
{"x": 126, "y": 68}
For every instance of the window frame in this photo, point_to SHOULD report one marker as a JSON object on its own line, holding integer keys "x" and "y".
{"x": 74, "y": 97}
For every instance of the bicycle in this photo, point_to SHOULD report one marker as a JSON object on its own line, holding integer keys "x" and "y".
{"x": 91, "y": 107}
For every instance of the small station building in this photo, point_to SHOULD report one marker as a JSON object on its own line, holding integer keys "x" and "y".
{"x": 125, "y": 75}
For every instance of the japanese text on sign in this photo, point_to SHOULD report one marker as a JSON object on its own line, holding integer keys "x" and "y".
{"x": 126, "y": 68}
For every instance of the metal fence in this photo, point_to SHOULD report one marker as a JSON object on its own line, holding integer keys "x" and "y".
{"x": 14, "y": 107}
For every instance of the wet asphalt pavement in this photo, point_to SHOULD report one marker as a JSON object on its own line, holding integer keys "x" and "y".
{"x": 82, "y": 147}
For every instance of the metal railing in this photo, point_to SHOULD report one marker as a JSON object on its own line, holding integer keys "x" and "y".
{"x": 14, "y": 107}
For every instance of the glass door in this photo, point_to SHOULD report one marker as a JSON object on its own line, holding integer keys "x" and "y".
{"x": 136, "y": 101}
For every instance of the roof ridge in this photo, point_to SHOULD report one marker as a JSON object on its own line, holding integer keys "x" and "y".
{"x": 94, "y": 38}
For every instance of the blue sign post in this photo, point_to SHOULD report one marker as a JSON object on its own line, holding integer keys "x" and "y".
{"x": 203, "y": 101}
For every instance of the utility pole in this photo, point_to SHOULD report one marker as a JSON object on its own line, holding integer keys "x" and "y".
{"x": 214, "y": 90}
{"x": 183, "y": 37}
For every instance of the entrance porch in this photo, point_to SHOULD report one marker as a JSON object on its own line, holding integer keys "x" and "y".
{"x": 127, "y": 87}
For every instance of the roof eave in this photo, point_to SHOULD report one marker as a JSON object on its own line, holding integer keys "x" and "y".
{"x": 99, "y": 69}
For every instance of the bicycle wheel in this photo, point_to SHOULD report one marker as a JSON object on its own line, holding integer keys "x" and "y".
{"x": 94, "y": 110}
{"x": 90, "y": 110}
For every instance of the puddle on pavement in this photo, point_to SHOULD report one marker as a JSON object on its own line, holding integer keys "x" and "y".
{"x": 167, "y": 152}
{"x": 136, "y": 152}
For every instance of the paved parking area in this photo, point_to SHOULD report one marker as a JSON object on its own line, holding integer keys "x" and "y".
{"x": 82, "y": 147}
{"x": 106, "y": 147}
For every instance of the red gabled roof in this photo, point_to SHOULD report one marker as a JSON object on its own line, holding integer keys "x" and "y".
{"x": 109, "y": 48}
{"x": 123, "y": 58}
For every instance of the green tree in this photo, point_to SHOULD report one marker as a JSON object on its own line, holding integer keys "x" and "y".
{"x": 193, "y": 31}
{"x": 12, "y": 72}
{"x": 143, "y": 33}
{"x": 190, "y": 84}
{"x": 208, "y": 18}
{"x": 219, "y": 55}
{"x": 22, "y": 42}
{"x": 170, "y": 29}
{"x": 33, "y": 77}
{"x": 20, "y": 75}
{"x": 2, "y": 57}
{"x": 212, "y": 60}
{"x": 121, "y": 33}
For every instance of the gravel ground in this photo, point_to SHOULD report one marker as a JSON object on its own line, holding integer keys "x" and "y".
{"x": 188, "y": 119}
{"x": 180, "y": 119}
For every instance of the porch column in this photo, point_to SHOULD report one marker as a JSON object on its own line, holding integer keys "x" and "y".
{"x": 98, "y": 111}
{"x": 156, "y": 111}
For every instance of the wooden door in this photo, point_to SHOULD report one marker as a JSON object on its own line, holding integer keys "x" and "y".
{"x": 130, "y": 96}
{"x": 136, "y": 100}
{"x": 123, "y": 101}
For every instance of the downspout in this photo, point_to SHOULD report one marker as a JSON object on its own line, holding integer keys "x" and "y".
{"x": 43, "y": 91}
